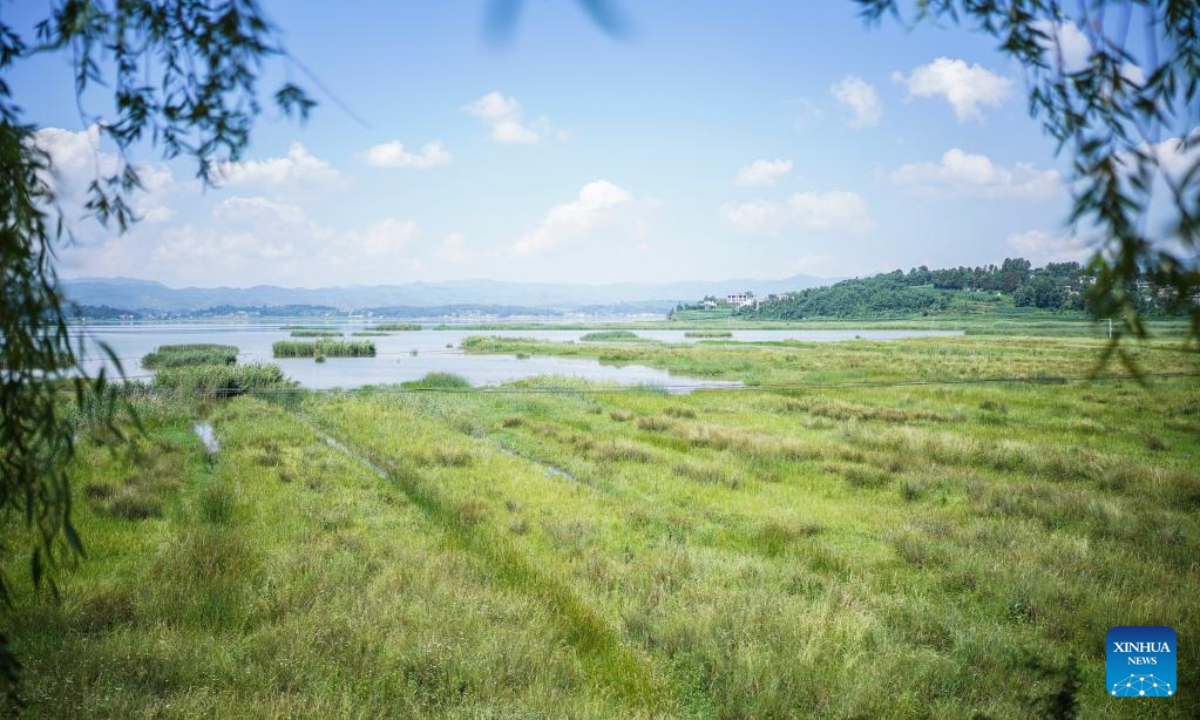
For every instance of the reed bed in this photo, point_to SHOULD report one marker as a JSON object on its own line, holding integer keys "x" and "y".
{"x": 316, "y": 333}
{"x": 396, "y": 327}
{"x": 612, "y": 336}
{"x": 323, "y": 348}
{"x": 169, "y": 356}
{"x": 220, "y": 379}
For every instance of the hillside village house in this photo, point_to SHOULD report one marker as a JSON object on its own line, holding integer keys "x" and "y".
{"x": 740, "y": 299}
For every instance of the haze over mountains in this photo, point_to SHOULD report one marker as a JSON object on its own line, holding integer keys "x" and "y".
{"x": 133, "y": 294}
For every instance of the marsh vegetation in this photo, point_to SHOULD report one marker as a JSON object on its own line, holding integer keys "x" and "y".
{"x": 220, "y": 379}
{"x": 869, "y": 532}
{"x": 169, "y": 356}
{"x": 612, "y": 336}
{"x": 323, "y": 348}
{"x": 315, "y": 333}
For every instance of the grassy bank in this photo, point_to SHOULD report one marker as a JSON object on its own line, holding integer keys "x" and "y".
{"x": 786, "y": 363}
{"x": 897, "y": 550}
{"x": 1034, "y": 324}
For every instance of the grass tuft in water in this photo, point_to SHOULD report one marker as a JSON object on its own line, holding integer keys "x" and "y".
{"x": 328, "y": 348}
{"x": 169, "y": 356}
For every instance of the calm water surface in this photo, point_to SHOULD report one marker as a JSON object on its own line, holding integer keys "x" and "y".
{"x": 405, "y": 356}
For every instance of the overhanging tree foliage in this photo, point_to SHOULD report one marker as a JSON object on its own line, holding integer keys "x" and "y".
{"x": 1127, "y": 112}
{"x": 183, "y": 77}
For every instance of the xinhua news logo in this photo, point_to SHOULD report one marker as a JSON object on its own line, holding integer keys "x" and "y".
{"x": 1141, "y": 661}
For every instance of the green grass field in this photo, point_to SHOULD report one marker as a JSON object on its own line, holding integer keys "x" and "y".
{"x": 849, "y": 536}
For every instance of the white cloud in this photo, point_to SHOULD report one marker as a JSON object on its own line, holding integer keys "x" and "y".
{"x": 1041, "y": 247}
{"x": 385, "y": 237}
{"x": 76, "y": 160}
{"x": 244, "y": 231}
{"x": 837, "y": 211}
{"x": 574, "y": 219}
{"x": 763, "y": 172}
{"x": 1068, "y": 48}
{"x": 241, "y": 209}
{"x": 298, "y": 167}
{"x": 961, "y": 174}
{"x": 454, "y": 249}
{"x": 1066, "y": 42}
{"x": 1176, "y": 157}
{"x": 807, "y": 113}
{"x": 862, "y": 100}
{"x": 1133, "y": 74}
{"x": 152, "y": 202}
{"x": 75, "y": 157}
{"x": 965, "y": 87}
{"x": 503, "y": 114}
{"x": 393, "y": 155}
{"x": 755, "y": 217}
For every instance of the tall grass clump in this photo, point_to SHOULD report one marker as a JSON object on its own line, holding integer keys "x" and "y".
{"x": 708, "y": 334}
{"x": 169, "y": 356}
{"x": 609, "y": 335}
{"x": 315, "y": 333}
{"x": 396, "y": 327}
{"x": 327, "y": 348}
{"x": 221, "y": 379}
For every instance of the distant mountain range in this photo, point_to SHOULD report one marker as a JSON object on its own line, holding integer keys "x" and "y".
{"x": 147, "y": 295}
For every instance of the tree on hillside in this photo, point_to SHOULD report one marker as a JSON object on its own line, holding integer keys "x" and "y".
{"x": 183, "y": 77}
{"x": 1127, "y": 112}
{"x": 1014, "y": 273}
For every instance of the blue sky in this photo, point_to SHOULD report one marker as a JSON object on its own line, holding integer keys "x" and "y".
{"x": 761, "y": 138}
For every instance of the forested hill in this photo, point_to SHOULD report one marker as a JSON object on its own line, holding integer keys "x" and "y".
{"x": 1016, "y": 283}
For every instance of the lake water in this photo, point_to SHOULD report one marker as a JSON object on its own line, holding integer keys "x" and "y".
{"x": 405, "y": 356}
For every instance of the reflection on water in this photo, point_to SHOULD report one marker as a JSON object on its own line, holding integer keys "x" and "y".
{"x": 405, "y": 356}
{"x": 205, "y": 432}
